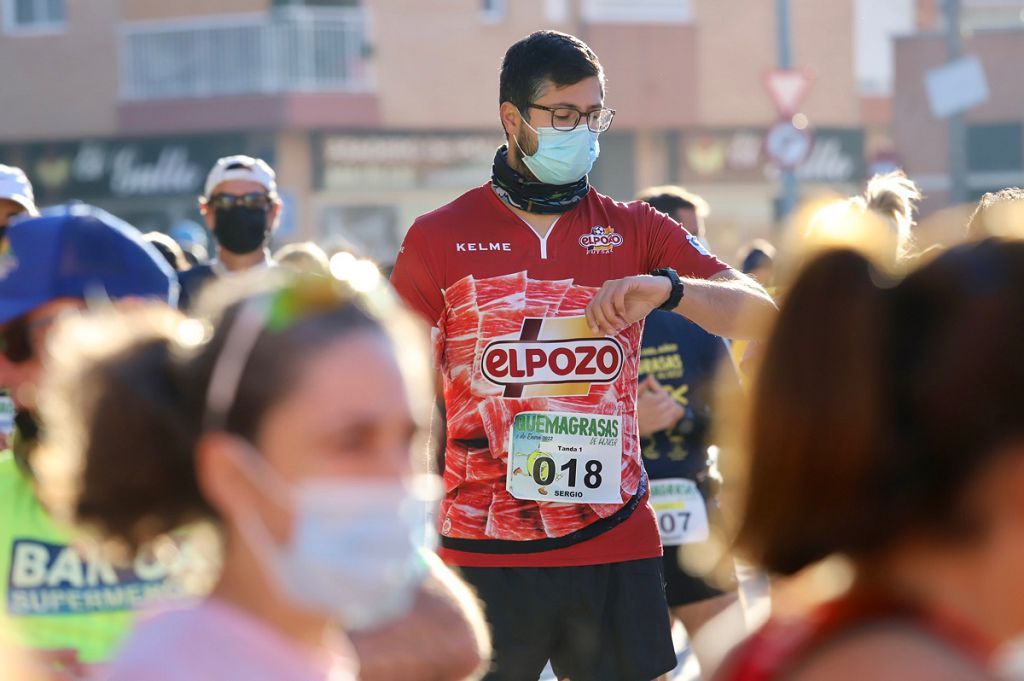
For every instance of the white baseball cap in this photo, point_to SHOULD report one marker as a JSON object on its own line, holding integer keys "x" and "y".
{"x": 241, "y": 167}
{"x": 14, "y": 186}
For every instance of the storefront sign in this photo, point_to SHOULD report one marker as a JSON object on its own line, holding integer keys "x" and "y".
{"x": 104, "y": 169}
{"x": 405, "y": 160}
{"x": 836, "y": 156}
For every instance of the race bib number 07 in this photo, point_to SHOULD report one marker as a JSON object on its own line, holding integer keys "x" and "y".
{"x": 570, "y": 458}
{"x": 682, "y": 513}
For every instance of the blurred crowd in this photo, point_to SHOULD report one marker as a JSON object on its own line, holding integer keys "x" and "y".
{"x": 556, "y": 432}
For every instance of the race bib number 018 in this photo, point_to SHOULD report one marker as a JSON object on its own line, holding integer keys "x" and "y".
{"x": 570, "y": 458}
{"x": 682, "y": 513}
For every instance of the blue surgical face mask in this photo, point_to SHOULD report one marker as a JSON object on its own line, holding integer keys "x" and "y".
{"x": 356, "y": 547}
{"x": 562, "y": 157}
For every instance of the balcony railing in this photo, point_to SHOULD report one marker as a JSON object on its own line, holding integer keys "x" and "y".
{"x": 310, "y": 50}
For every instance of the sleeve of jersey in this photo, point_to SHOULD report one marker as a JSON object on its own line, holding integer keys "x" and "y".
{"x": 672, "y": 246}
{"x": 413, "y": 279}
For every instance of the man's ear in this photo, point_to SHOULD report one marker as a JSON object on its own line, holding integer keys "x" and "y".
{"x": 274, "y": 215}
{"x": 204, "y": 210}
{"x": 511, "y": 118}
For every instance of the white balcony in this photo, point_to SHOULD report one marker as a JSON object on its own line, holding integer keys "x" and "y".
{"x": 284, "y": 51}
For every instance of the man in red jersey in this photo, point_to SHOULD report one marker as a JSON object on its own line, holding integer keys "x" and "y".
{"x": 535, "y": 284}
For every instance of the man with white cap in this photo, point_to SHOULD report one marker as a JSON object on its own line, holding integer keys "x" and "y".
{"x": 16, "y": 197}
{"x": 241, "y": 207}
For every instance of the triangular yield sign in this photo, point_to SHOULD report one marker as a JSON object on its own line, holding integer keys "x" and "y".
{"x": 787, "y": 89}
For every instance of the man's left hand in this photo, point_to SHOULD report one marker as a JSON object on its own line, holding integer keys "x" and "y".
{"x": 622, "y": 302}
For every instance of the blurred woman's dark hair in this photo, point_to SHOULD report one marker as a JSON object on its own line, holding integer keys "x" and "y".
{"x": 169, "y": 249}
{"x": 880, "y": 400}
{"x": 131, "y": 392}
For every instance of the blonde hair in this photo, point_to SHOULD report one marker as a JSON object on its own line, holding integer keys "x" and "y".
{"x": 998, "y": 213}
{"x": 888, "y": 200}
{"x": 303, "y": 257}
{"x": 894, "y": 197}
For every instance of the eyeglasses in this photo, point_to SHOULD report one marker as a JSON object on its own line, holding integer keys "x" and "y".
{"x": 258, "y": 200}
{"x": 566, "y": 119}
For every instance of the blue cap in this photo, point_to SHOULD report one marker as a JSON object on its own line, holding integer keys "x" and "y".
{"x": 77, "y": 252}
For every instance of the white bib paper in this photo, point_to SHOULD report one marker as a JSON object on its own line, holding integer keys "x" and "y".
{"x": 682, "y": 513}
{"x": 569, "y": 458}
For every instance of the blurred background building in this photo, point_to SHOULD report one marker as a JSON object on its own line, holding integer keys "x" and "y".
{"x": 375, "y": 111}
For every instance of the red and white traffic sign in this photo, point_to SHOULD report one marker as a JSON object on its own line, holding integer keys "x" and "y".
{"x": 786, "y": 145}
{"x": 787, "y": 88}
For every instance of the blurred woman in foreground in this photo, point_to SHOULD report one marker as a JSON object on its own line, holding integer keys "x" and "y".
{"x": 288, "y": 423}
{"x": 888, "y": 428}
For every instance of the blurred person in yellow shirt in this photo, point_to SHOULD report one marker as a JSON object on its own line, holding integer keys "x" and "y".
{"x": 65, "y": 604}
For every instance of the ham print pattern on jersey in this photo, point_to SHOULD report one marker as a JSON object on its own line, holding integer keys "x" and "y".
{"x": 507, "y": 345}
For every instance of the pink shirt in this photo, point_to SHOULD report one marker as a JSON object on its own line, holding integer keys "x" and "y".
{"x": 215, "y": 641}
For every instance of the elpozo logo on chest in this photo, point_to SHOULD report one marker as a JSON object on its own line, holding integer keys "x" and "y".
{"x": 552, "y": 357}
{"x": 601, "y": 240}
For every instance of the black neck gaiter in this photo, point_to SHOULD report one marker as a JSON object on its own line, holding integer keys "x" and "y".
{"x": 534, "y": 197}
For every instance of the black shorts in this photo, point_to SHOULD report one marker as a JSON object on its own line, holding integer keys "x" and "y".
{"x": 594, "y": 622}
{"x": 683, "y": 587}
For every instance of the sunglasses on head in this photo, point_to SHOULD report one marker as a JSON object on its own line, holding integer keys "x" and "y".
{"x": 259, "y": 200}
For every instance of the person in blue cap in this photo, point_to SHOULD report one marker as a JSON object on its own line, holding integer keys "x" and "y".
{"x": 69, "y": 608}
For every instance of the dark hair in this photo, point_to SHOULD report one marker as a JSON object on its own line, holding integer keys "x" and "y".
{"x": 982, "y": 224}
{"x": 541, "y": 57}
{"x": 191, "y": 255}
{"x": 868, "y": 426}
{"x": 758, "y": 254}
{"x": 671, "y": 198}
{"x": 135, "y": 408}
{"x": 169, "y": 249}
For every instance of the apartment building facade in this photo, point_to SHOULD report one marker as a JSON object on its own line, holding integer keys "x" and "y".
{"x": 375, "y": 111}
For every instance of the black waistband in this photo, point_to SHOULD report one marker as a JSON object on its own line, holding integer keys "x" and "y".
{"x": 595, "y": 529}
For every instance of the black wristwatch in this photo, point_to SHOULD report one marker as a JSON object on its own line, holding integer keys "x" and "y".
{"x": 677, "y": 288}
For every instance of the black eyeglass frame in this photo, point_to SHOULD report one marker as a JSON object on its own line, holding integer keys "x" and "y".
{"x": 579, "y": 116}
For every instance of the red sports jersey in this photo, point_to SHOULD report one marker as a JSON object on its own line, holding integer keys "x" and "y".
{"x": 542, "y": 465}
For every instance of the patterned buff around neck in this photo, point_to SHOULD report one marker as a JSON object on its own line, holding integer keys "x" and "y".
{"x": 534, "y": 197}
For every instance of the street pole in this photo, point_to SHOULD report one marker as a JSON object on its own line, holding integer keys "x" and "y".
{"x": 785, "y": 60}
{"x": 957, "y": 129}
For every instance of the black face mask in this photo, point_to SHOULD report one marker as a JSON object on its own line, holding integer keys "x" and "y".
{"x": 239, "y": 229}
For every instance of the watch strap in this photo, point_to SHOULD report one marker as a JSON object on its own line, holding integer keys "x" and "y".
{"x": 676, "y": 295}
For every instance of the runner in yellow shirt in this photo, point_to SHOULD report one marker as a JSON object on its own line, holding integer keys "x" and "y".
{"x": 61, "y": 601}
